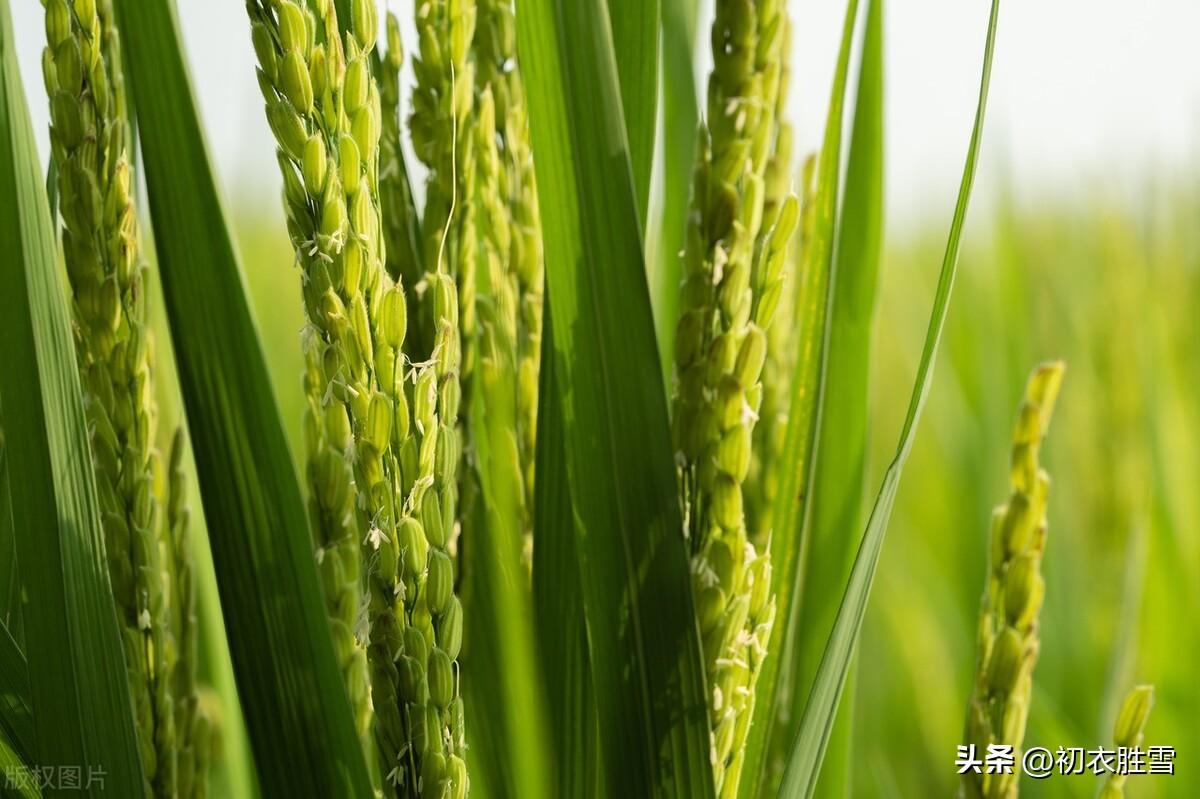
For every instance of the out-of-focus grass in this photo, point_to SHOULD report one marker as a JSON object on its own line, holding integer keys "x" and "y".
{"x": 1110, "y": 288}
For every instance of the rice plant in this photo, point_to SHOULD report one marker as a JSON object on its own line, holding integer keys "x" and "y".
{"x": 145, "y": 526}
{"x": 1128, "y": 733}
{"x": 513, "y": 558}
{"x": 1008, "y": 630}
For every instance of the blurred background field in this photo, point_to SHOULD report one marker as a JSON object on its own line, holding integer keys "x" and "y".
{"x": 1109, "y": 284}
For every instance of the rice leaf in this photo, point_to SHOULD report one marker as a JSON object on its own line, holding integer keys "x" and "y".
{"x": 558, "y": 601}
{"x": 804, "y": 765}
{"x": 635, "y": 45}
{"x": 839, "y": 484}
{"x": 644, "y": 645}
{"x": 16, "y": 715}
{"x": 11, "y": 763}
{"x": 77, "y": 680}
{"x": 816, "y": 284}
{"x": 504, "y": 695}
{"x": 295, "y": 705}
{"x": 555, "y": 561}
{"x": 677, "y": 148}
{"x": 10, "y": 584}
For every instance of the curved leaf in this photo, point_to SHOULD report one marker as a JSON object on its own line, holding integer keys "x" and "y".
{"x": 801, "y": 775}
{"x": 815, "y": 288}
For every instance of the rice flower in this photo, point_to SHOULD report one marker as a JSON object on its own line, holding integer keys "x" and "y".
{"x": 390, "y": 417}
{"x": 114, "y": 348}
{"x": 320, "y": 107}
{"x": 1007, "y": 643}
{"x": 733, "y": 265}
{"x": 762, "y": 482}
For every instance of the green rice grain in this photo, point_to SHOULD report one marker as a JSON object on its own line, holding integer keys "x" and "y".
{"x": 1007, "y": 642}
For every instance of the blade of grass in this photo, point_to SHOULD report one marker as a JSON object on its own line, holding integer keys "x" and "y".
{"x": 16, "y": 715}
{"x": 556, "y": 573}
{"x": 803, "y": 767}
{"x": 505, "y": 699}
{"x": 295, "y": 705}
{"x": 14, "y": 768}
{"x": 839, "y": 485}
{"x": 558, "y": 601}
{"x": 10, "y": 582}
{"x": 232, "y": 772}
{"x": 677, "y": 148}
{"x": 77, "y": 678}
{"x": 643, "y": 641}
{"x": 815, "y": 289}
{"x": 635, "y": 45}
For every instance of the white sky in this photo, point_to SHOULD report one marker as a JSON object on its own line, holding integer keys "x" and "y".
{"x": 1085, "y": 92}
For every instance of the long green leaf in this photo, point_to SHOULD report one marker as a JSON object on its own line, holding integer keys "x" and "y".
{"x": 556, "y": 572}
{"x": 558, "y": 601}
{"x": 839, "y": 484}
{"x": 635, "y": 44}
{"x": 232, "y": 773}
{"x": 643, "y": 641}
{"x": 76, "y": 672}
{"x": 296, "y": 709}
{"x": 815, "y": 289}
{"x": 16, "y": 714}
{"x": 10, "y": 583}
{"x": 503, "y": 683}
{"x": 680, "y": 123}
{"x": 801, "y": 775}
{"x": 20, "y": 780}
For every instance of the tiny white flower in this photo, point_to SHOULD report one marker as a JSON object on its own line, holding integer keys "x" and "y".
{"x": 375, "y": 537}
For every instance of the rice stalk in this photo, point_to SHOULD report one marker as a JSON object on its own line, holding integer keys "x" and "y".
{"x": 439, "y": 125}
{"x": 762, "y": 482}
{"x": 322, "y": 130}
{"x": 90, "y": 141}
{"x": 193, "y": 727}
{"x": 733, "y": 263}
{"x": 1008, "y": 640}
{"x": 512, "y": 198}
{"x": 497, "y": 309}
{"x": 1128, "y": 732}
{"x": 390, "y": 416}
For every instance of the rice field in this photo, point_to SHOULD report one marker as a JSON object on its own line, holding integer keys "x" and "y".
{"x": 564, "y": 431}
